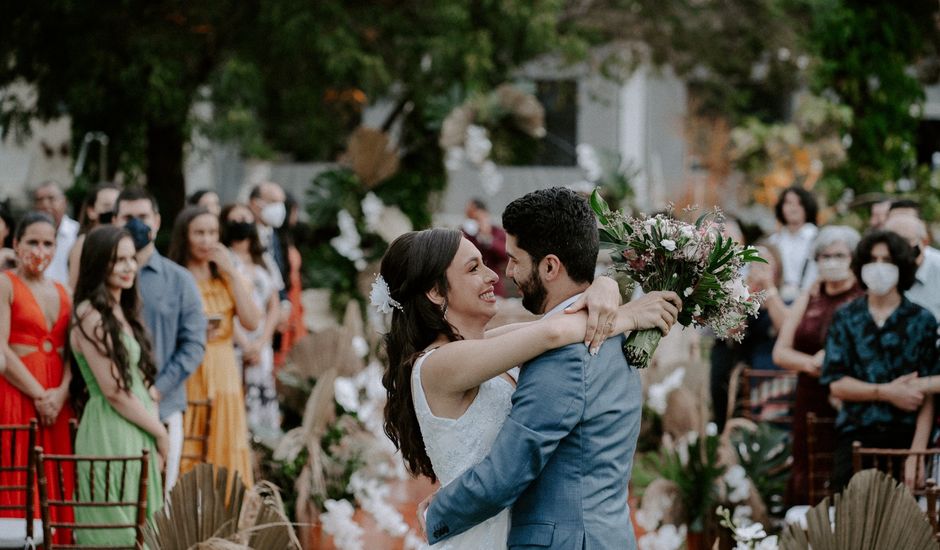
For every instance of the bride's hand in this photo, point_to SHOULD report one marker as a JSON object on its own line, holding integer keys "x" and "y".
{"x": 600, "y": 300}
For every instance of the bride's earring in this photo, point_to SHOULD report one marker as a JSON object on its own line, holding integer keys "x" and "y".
{"x": 444, "y": 309}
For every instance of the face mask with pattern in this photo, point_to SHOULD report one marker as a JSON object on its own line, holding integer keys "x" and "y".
{"x": 36, "y": 260}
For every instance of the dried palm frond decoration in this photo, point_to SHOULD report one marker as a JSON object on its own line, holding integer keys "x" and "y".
{"x": 315, "y": 354}
{"x": 198, "y": 515}
{"x": 370, "y": 154}
{"x": 874, "y": 512}
{"x": 319, "y": 412}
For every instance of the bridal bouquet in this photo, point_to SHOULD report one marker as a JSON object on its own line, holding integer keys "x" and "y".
{"x": 694, "y": 261}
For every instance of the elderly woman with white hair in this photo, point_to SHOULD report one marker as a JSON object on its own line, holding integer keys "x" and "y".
{"x": 801, "y": 342}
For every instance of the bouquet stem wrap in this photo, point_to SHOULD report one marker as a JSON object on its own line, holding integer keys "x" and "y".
{"x": 640, "y": 346}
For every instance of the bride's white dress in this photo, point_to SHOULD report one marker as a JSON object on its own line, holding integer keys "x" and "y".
{"x": 454, "y": 445}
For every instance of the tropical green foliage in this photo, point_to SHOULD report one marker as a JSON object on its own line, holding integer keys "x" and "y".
{"x": 287, "y": 76}
{"x": 865, "y": 50}
{"x": 693, "y": 466}
{"x": 765, "y": 455}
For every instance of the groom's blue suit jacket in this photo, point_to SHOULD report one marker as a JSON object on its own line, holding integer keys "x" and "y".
{"x": 562, "y": 460}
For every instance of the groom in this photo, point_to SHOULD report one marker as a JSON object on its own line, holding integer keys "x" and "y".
{"x": 563, "y": 458}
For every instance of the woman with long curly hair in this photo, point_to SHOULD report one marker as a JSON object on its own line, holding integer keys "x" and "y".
{"x": 113, "y": 356}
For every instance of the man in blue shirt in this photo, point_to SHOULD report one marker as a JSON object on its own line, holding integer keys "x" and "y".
{"x": 172, "y": 311}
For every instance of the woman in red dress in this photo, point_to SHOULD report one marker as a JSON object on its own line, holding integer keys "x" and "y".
{"x": 34, "y": 315}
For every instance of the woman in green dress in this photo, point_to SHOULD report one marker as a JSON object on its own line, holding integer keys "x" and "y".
{"x": 112, "y": 353}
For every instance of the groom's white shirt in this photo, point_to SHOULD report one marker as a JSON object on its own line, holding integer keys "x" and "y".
{"x": 562, "y": 306}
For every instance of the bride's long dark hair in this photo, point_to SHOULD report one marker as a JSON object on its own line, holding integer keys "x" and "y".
{"x": 415, "y": 263}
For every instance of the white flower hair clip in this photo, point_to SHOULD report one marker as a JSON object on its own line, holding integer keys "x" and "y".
{"x": 381, "y": 296}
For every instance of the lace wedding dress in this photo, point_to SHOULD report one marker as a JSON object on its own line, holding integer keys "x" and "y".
{"x": 454, "y": 445}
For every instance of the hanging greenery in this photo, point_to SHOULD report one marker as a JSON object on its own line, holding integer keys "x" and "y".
{"x": 865, "y": 51}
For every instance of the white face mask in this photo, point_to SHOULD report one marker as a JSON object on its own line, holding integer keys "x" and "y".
{"x": 880, "y": 277}
{"x": 470, "y": 227}
{"x": 834, "y": 270}
{"x": 273, "y": 214}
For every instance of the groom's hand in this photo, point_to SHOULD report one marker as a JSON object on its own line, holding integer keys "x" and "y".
{"x": 422, "y": 515}
{"x": 657, "y": 309}
{"x": 601, "y": 300}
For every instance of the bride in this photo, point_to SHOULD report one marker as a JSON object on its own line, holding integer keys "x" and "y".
{"x": 448, "y": 380}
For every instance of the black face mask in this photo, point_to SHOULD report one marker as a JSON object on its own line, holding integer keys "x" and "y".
{"x": 139, "y": 231}
{"x": 239, "y": 231}
{"x": 105, "y": 218}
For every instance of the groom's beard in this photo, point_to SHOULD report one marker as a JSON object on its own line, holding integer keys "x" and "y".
{"x": 533, "y": 293}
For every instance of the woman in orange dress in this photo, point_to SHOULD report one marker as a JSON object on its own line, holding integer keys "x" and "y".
{"x": 195, "y": 245}
{"x": 34, "y": 317}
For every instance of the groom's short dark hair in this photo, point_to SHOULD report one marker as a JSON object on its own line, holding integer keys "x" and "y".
{"x": 556, "y": 221}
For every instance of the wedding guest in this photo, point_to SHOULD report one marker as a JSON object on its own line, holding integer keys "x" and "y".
{"x": 924, "y": 291}
{"x": 172, "y": 312}
{"x": 761, "y": 333}
{"x": 291, "y": 329}
{"x": 195, "y": 245}
{"x": 49, "y": 198}
{"x": 767, "y": 395}
{"x": 876, "y": 348}
{"x": 267, "y": 204}
{"x": 34, "y": 314}
{"x": 796, "y": 212}
{"x": 799, "y": 346}
{"x": 254, "y": 348}
{"x": 7, "y": 254}
{"x": 113, "y": 358}
{"x": 489, "y": 238}
{"x": 207, "y": 199}
{"x": 904, "y": 207}
{"x": 97, "y": 210}
{"x": 879, "y": 213}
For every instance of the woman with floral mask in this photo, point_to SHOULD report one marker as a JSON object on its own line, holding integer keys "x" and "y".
{"x": 876, "y": 348}
{"x": 800, "y": 344}
{"x": 34, "y": 315}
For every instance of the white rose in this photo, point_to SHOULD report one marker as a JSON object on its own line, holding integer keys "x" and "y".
{"x": 668, "y": 244}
